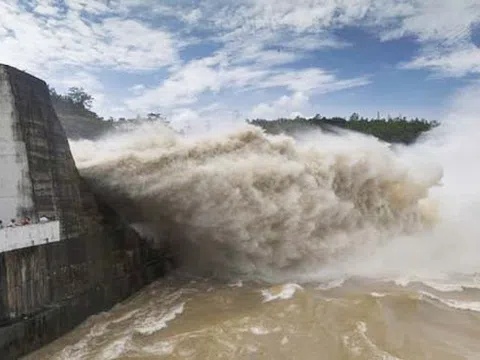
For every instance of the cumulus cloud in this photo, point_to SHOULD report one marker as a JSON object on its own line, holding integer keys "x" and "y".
{"x": 188, "y": 82}
{"x": 285, "y": 106}
{"x": 197, "y": 77}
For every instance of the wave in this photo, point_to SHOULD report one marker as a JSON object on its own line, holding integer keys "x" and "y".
{"x": 454, "y": 303}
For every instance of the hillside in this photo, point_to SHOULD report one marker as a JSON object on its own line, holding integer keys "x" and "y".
{"x": 78, "y": 121}
{"x": 393, "y": 130}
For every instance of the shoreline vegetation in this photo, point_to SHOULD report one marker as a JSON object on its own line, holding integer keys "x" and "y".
{"x": 80, "y": 122}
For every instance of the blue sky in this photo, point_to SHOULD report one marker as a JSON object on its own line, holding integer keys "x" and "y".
{"x": 223, "y": 59}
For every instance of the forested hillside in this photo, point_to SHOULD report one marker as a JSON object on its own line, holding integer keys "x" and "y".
{"x": 73, "y": 110}
{"x": 393, "y": 130}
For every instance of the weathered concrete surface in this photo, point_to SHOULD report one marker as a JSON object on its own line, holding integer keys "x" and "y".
{"x": 15, "y": 186}
{"x": 29, "y": 235}
{"x": 48, "y": 289}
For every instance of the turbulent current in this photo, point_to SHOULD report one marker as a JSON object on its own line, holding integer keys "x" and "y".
{"x": 259, "y": 205}
{"x": 315, "y": 246}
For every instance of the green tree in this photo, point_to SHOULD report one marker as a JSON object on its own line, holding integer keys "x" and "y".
{"x": 354, "y": 117}
{"x": 79, "y": 97}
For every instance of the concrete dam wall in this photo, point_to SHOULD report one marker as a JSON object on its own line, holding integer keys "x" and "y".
{"x": 64, "y": 253}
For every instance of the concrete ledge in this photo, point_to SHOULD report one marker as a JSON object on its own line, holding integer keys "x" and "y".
{"x": 20, "y": 237}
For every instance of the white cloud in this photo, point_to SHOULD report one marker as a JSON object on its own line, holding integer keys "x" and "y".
{"x": 254, "y": 27}
{"x": 133, "y": 45}
{"x": 433, "y": 23}
{"x": 211, "y": 74}
{"x": 192, "y": 16}
{"x": 73, "y": 38}
{"x": 196, "y": 77}
{"x": 443, "y": 28}
{"x": 95, "y": 7}
{"x": 308, "y": 15}
{"x": 80, "y": 79}
{"x": 46, "y": 7}
{"x": 254, "y": 54}
{"x": 274, "y": 32}
{"x": 425, "y": 19}
{"x": 456, "y": 62}
{"x": 314, "y": 79}
{"x": 45, "y": 44}
{"x": 258, "y": 41}
{"x": 432, "y": 20}
{"x": 310, "y": 42}
{"x": 285, "y": 106}
{"x": 137, "y": 89}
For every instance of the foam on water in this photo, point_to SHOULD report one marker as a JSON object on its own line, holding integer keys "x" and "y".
{"x": 378, "y": 295}
{"x": 258, "y": 330}
{"x": 161, "y": 348}
{"x": 238, "y": 283}
{"x": 158, "y": 322}
{"x": 116, "y": 348}
{"x": 79, "y": 349}
{"x": 282, "y": 292}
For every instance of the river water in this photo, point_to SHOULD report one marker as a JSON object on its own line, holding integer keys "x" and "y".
{"x": 319, "y": 246}
{"x": 184, "y": 318}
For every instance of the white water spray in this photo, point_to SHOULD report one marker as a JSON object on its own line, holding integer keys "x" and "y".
{"x": 449, "y": 253}
{"x": 244, "y": 202}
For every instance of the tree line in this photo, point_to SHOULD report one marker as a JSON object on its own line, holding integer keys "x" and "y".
{"x": 74, "y": 110}
{"x": 390, "y": 129}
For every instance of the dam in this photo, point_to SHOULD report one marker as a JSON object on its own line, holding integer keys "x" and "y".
{"x": 64, "y": 253}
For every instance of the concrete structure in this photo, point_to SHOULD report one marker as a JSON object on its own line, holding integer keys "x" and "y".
{"x": 15, "y": 185}
{"x": 29, "y": 235}
{"x": 54, "y": 275}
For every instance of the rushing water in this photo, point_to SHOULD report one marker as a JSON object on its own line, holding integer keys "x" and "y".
{"x": 319, "y": 247}
{"x": 181, "y": 318}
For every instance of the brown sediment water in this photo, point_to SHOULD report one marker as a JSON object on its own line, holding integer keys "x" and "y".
{"x": 182, "y": 318}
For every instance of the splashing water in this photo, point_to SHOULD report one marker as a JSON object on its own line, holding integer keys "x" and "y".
{"x": 244, "y": 202}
